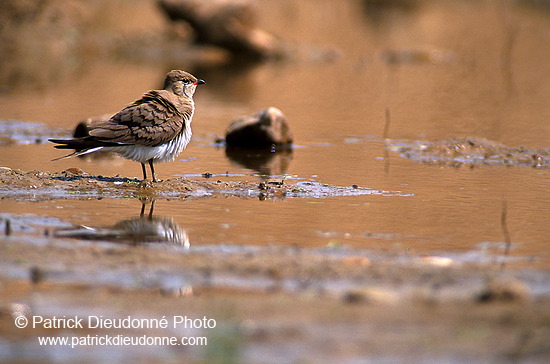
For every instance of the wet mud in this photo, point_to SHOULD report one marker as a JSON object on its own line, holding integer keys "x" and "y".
{"x": 471, "y": 152}
{"x": 263, "y": 298}
{"x": 13, "y": 132}
{"x": 74, "y": 183}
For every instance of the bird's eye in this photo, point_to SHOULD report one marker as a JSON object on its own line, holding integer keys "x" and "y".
{"x": 186, "y": 81}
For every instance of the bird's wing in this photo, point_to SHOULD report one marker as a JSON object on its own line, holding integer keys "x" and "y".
{"x": 151, "y": 121}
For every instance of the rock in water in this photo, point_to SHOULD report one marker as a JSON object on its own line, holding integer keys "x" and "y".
{"x": 267, "y": 130}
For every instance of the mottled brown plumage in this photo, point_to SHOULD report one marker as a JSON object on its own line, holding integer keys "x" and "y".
{"x": 155, "y": 128}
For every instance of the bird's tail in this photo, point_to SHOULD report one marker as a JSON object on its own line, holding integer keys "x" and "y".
{"x": 80, "y": 146}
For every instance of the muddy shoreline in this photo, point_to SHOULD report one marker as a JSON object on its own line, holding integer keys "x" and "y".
{"x": 76, "y": 184}
{"x": 265, "y": 298}
{"x": 470, "y": 152}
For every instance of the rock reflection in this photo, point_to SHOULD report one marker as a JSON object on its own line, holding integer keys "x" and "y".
{"x": 144, "y": 229}
{"x": 265, "y": 163}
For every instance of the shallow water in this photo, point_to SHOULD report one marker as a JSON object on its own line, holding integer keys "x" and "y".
{"x": 442, "y": 69}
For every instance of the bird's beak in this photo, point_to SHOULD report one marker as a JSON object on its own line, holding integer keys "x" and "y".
{"x": 199, "y": 82}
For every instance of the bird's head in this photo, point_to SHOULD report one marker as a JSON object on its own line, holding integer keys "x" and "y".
{"x": 182, "y": 83}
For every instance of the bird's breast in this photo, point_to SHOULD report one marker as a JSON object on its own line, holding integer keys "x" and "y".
{"x": 166, "y": 152}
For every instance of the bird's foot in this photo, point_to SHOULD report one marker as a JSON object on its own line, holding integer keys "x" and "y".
{"x": 149, "y": 183}
{"x": 146, "y": 183}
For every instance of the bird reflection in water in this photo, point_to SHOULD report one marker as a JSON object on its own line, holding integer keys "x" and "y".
{"x": 144, "y": 229}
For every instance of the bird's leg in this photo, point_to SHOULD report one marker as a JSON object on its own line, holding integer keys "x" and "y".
{"x": 152, "y": 170}
{"x": 151, "y": 210}
{"x": 144, "y": 171}
{"x": 142, "y": 212}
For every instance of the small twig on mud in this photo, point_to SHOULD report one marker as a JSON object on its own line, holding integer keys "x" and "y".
{"x": 504, "y": 226}
{"x": 387, "y": 125}
{"x": 7, "y": 228}
{"x": 385, "y": 135}
{"x": 510, "y": 36}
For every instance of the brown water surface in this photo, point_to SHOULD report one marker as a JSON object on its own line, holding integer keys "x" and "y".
{"x": 443, "y": 69}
